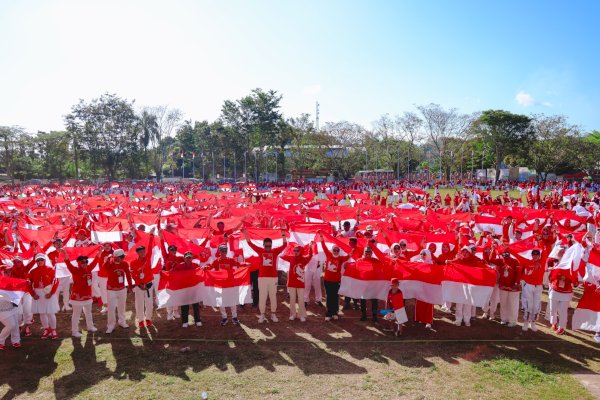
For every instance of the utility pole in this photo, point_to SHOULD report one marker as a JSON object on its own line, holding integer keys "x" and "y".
{"x": 317, "y": 118}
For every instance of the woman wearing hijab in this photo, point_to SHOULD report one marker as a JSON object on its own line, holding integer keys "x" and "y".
{"x": 423, "y": 310}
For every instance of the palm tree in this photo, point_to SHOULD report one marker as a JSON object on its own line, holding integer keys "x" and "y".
{"x": 149, "y": 128}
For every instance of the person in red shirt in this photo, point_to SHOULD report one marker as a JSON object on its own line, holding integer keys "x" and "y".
{"x": 560, "y": 293}
{"x": 81, "y": 294}
{"x": 141, "y": 274}
{"x": 187, "y": 265}
{"x": 295, "y": 282}
{"x": 42, "y": 287}
{"x": 395, "y": 300}
{"x": 357, "y": 252}
{"x": 332, "y": 277}
{"x": 509, "y": 285}
{"x": 64, "y": 283}
{"x": 222, "y": 262}
{"x": 463, "y": 311}
{"x": 532, "y": 279}
{"x": 267, "y": 273}
{"x": 118, "y": 273}
{"x": 170, "y": 260}
{"x": 100, "y": 284}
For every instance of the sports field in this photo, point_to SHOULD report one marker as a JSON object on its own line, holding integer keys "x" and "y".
{"x": 345, "y": 359}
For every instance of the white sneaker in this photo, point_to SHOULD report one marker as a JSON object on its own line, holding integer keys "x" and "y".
{"x": 328, "y": 319}
{"x": 274, "y": 318}
{"x": 184, "y": 325}
{"x": 76, "y": 334}
{"x": 292, "y": 317}
{"x": 261, "y": 319}
{"x": 103, "y": 310}
{"x": 428, "y": 326}
{"x": 525, "y": 326}
{"x": 533, "y": 326}
{"x": 302, "y": 319}
{"x": 124, "y": 326}
{"x": 176, "y": 315}
{"x": 485, "y": 315}
{"x": 199, "y": 323}
{"x": 92, "y": 329}
{"x": 458, "y": 323}
{"x": 467, "y": 323}
{"x": 110, "y": 330}
{"x": 335, "y": 317}
{"x": 511, "y": 324}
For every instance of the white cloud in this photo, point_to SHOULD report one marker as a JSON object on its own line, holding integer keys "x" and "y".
{"x": 526, "y": 100}
{"x": 311, "y": 89}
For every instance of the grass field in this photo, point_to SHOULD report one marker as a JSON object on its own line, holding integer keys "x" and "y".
{"x": 347, "y": 359}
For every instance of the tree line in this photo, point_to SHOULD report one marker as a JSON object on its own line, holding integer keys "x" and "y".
{"x": 109, "y": 138}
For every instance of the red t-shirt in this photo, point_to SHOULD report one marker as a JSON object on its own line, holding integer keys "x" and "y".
{"x": 117, "y": 273}
{"x": 141, "y": 270}
{"x": 561, "y": 280}
{"x": 533, "y": 273}
{"x": 267, "y": 267}
{"x": 82, "y": 280}
{"x": 296, "y": 272}
{"x": 224, "y": 263}
{"x": 333, "y": 265}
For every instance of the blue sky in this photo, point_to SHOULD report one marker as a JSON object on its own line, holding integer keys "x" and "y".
{"x": 359, "y": 59}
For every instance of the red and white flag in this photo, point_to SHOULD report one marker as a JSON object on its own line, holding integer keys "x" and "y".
{"x": 467, "y": 285}
{"x": 73, "y": 252}
{"x": 420, "y": 281}
{"x": 488, "y": 224}
{"x": 587, "y": 315}
{"x": 361, "y": 281}
{"x": 179, "y": 288}
{"x": 227, "y": 288}
{"x": 439, "y": 239}
{"x": 12, "y": 289}
{"x": 102, "y": 233}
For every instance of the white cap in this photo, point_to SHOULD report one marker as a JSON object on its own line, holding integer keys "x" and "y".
{"x": 119, "y": 253}
{"x": 40, "y": 255}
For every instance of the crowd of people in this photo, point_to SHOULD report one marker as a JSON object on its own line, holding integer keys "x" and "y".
{"x": 96, "y": 244}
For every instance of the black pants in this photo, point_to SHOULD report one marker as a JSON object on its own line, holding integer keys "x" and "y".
{"x": 254, "y": 283}
{"x": 374, "y": 307}
{"x": 347, "y": 301}
{"x": 185, "y": 313}
{"x": 333, "y": 299}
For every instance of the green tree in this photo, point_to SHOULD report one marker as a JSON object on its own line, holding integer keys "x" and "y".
{"x": 108, "y": 129}
{"x": 503, "y": 132}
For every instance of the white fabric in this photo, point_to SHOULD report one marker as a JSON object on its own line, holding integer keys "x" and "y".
{"x": 491, "y": 306}
{"x": 144, "y": 304}
{"x": 531, "y": 301}
{"x": 116, "y": 307}
{"x": 312, "y": 279}
{"x": 559, "y": 313}
{"x": 10, "y": 320}
{"x": 43, "y": 305}
{"x": 509, "y": 306}
{"x": 87, "y": 311}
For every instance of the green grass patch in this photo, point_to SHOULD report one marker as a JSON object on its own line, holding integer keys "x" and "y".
{"x": 514, "y": 370}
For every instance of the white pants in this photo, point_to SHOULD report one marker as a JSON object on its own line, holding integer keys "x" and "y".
{"x": 26, "y": 315}
{"x": 87, "y": 311}
{"x": 10, "y": 320}
{"x": 267, "y": 287}
{"x": 491, "y": 307}
{"x": 462, "y": 312}
{"x": 224, "y": 312}
{"x": 509, "y": 306}
{"x": 559, "y": 312}
{"x": 531, "y": 301}
{"x": 48, "y": 321}
{"x": 296, "y": 296}
{"x": 144, "y": 303}
{"x": 103, "y": 290}
{"x": 64, "y": 288}
{"x": 154, "y": 289}
{"x": 96, "y": 292}
{"x": 116, "y": 307}
{"x": 312, "y": 279}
